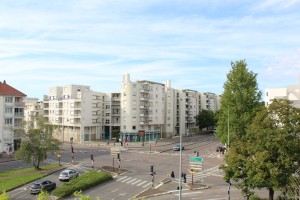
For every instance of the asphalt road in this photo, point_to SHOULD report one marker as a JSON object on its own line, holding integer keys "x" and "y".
{"x": 137, "y": 160}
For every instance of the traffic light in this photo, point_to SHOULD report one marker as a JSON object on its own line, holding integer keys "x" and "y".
{"x": 92, "y": 157}
{"x": 118, "y": 156}
{"x": 151, "y": 168}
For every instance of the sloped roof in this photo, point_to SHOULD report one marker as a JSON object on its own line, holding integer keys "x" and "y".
{"x": 6, "y": 89}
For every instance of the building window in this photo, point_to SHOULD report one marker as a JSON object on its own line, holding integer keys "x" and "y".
{"x": 8, "y": 121}
{"x": 8, "y": 99}
{"x": 107, "y": 107}
{"x": 8, "y": 110}
{"x": 107, "y": 121}
{"x": 107, "y": 114}
{"x": 133, "y": 127}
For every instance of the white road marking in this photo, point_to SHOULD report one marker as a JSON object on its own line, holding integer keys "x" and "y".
{"x": 131, "y": 180}
{"x": 147, "y": 185}
{"x": 126, "y": 179}
{"x": 122, "y": 178}
{"x": 141, "y": 183}
{"x": 136, "y": 182}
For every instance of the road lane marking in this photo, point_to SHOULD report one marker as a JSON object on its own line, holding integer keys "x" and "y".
{"x": 122, "y": 178}
{"x": 126, "y": 179}
{"x": 141, "y": 183}
{"x": 136, "y": 182}
{"x": 115, "y": 190}
{"x": 131, "y": 180}
{"x": 147, "y": 185}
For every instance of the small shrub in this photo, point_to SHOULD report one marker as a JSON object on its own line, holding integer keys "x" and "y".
{"x": 4, "y": 196}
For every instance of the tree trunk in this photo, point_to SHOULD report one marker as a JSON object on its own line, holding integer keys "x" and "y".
{"x": 271, "y": 194}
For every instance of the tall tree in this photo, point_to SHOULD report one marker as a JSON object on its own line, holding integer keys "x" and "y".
{"x": 269, "y": 157}
{"x": 239, "y": 102}
{"x": 36, "y": 142}
{"x": 205, "y": 119}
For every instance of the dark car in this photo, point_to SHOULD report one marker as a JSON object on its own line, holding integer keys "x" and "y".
{"x": 176, "y": 147}
{"x": 40, "y": 185}
{"x": 221, "y": 149}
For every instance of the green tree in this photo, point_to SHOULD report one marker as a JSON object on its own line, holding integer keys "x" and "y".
{"x": 205, "y": 119}
{"x": 36, "y": 142}
{"x": 271, "y": 154}
{"x": 239, "y": 102}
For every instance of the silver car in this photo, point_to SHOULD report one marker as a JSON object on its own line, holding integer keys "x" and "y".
{"x": 176, "y": 147}
{"x": 68, "y": 174}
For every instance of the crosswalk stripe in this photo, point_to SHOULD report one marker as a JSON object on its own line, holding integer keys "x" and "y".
{"x": 136, "y": 182}
{"x": 131, "y": 180}
{"x": 126, "y": 179}
{"x": 122, "y": 178}
{"x": 141, "y": 183}
{"x": 147, "y": 185}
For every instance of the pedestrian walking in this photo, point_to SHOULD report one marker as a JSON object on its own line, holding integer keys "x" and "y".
{"x": 172, "y": 175}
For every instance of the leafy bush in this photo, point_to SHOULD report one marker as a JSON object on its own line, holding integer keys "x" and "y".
{"x": 83, "y": 182}
{"x": 4, "y": 196}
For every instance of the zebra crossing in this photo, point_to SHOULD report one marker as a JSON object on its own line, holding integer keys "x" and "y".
{"x": 134, "y": 181}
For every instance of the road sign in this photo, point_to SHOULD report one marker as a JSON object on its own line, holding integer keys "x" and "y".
{"x": 196, "y": 159}
{"x": 114, "y": 151}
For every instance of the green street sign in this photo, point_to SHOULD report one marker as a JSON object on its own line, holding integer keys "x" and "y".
{"x": 196, "y": 159}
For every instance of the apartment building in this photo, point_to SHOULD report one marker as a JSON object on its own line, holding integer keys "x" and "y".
{"x": 11, "y": 116}
{"x": 112, "y": 115}
{"x": 153, "y": 110}
{"x": 33, "y": 108}
{"x": 77, "y": 111}
{"x": 143, "y": 109}
{"x": 291, "y": 93}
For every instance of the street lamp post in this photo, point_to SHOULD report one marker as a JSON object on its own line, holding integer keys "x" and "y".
{"x": 180, "y": 154}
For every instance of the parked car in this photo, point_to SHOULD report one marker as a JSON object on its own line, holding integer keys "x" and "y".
{"x": 176, "y": 147}
{"x": 68, "y": 174}
{"x": 40, "y": 185}
{"x": 221, "y": 149}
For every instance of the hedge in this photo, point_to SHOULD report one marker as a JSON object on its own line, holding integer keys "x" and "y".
{"x": 83, "y": 182}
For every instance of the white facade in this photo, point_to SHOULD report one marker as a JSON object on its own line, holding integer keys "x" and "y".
{"x": 77, "y": 111}
{"x": 291, "y": 93}
{"x": 160, "y": 110}
{"x": 33, "y": 108}
{"x": 142, "y": 108}
{"x": 11, "y": 116}
{"x": 112, "y": 115}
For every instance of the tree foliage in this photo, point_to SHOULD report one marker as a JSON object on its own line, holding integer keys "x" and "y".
{"x": 269, "y": 156}
{"x": 205, "y": 119}
{"x": 239, "y": 102}
{"x": 36, "y": 142}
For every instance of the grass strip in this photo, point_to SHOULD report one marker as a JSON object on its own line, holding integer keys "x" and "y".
{"x": 14, "y": 178}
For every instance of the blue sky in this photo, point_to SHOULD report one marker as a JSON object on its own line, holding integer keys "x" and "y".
{"x": 190, "y": 42}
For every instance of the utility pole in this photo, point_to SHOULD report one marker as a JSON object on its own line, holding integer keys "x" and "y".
{"x": 72, "y": 149}
{"x": 180, "y": 154}
{"x": 152, "y": 174}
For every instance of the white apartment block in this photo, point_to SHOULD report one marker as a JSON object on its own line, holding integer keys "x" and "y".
{"x": 112, "y": 115}
{"x": 11, "y": 116}
{"x": 33, "y": 108}
{"x": 77, "y": 111}
{"x": 143, "y": 109}
{"x": 291, "y": 93}
{"x": 159, "y": 111}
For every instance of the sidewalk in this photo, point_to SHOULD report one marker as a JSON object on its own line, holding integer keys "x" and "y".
{"x": 6, "y": 158}
{"x": 168, "y": 186}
